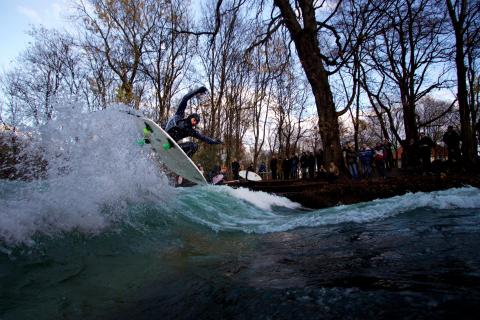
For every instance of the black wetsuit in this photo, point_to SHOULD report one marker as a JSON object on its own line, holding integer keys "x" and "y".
{"x": 179, "y": 127}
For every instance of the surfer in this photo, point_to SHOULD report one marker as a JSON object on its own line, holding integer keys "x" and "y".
{"x": 179, "y": 127}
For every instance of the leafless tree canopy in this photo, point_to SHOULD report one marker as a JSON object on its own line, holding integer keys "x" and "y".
{"x": 283, "y": 75}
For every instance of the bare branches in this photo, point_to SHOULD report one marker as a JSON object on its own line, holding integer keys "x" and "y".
{"x": 405, "y": 54}
{"x": 218, "y": 20}
{"x": 142, "y": 52}
{"x": 428, "y": 121}
{"x": 273, "y": 26}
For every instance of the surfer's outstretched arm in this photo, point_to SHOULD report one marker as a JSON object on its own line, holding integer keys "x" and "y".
{"x": 206, "y": 139}
{"x": 183, "y": 104}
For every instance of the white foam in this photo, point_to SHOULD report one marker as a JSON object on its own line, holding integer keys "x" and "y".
{"x": 94, "y": 170}
{"x": 262, "y": 200}
{"x": 227, "y": 209}
{"x": 459, "y": 198}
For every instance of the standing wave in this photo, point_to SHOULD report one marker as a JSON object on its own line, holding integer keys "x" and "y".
{"x": 226, "y": 209}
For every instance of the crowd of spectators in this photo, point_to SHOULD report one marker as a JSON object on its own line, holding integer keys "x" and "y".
{"x": 366, "y": 162}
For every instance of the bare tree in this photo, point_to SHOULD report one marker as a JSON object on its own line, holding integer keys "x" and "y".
{"x": 118, "y": 30}
{"x": 259, "y": 104}
{"x": 11, "y": 110}
{"x": 464, "y": 16}
{"x": 48, "y": 71}
{"x": 473, "y": 67}
{"x": 322, "y": 50}
{"x": 406, "y": 59}
{"x": 290, "y": 109}
{"x": 434, "y": 116}
{"x": 100, "y": 89}
{"x": 221, "y": 61}
{"x": 167, "y": 57}
{"x": 271, "y": 69}
{"x": 236, "y": 115}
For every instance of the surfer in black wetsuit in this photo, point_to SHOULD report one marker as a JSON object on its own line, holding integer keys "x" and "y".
{"x": 179, "y": 127}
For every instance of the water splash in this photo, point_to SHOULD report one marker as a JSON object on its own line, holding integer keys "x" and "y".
{"x": 94, "y": 171}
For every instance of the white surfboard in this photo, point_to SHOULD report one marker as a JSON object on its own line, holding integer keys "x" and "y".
{"x": 169, "y": 151}
{"x": 217, "y": 178}
{"x": 252, "y": 176}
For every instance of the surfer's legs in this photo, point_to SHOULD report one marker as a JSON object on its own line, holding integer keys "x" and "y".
{"x": 189, "y": 148}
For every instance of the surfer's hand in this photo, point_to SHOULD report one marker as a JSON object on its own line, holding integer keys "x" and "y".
{"x": 201, "y": 90}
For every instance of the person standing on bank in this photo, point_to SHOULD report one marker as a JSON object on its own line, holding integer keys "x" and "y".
{"x": 273, "y": 167}
{"x": 304, "y": 164}
{"x": 235, "y": 169}
{"x": 452, "y": 140}
{"x": 351, "y": 158}
{"x": 262, "y": 170}
{"x": 179, "y": 127}
{"x": 387, "y": 146}
{"x": 366, "y": 156}
{"x": 379, "y": 159}
{"x": 425, "y": 145}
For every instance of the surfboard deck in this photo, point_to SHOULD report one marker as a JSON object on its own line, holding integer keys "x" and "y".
{"x": 252, "y": 176}
{"x": 170, "y": 153}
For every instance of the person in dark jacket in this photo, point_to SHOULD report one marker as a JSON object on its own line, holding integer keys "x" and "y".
{"x": 179, "y": 127}
{"x": 311, "y": 165}
{"x": 351, "y": 158}
{"x": 294, "y": 166}
{"x": 366, "y": 156}
{"x": 379, "y": 159}
{"x": 319, "y": 159}
{"x": 410, "y": 156}
{"x": 425, "y": 145}
{"x": 389, "y": 163}
{"x": 304, "y": 164}
{"x": 235, "y": 169}
{"x": 286, "y": 168}
{"x": 452, "y": 140}
{"x": 273, "y": 167}
{"x": 262, "y": 170}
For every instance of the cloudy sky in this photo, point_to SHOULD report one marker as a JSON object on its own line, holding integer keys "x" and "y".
{"x": 16, "y": 18}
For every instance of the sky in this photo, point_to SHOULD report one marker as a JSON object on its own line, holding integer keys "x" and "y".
{"x": 17, "y": 17}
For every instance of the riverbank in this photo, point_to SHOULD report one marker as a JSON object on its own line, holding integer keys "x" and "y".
{"x": 318, "y": 194}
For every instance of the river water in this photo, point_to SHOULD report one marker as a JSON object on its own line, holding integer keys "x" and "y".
{"x": 106, "y": 236}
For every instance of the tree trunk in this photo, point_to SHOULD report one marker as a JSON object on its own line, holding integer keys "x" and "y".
{"x": 410, "y": 122}
{"x": 308, "y": 50}
{"x": 465, "y": 124}
{"x": 327, "y": 115}
{"x": 458, "y": 24}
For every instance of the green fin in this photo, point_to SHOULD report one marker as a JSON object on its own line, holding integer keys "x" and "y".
{"x": 146, "y": 135}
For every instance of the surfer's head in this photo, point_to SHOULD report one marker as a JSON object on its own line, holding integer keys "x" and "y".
{"x": 193, "y": 119}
